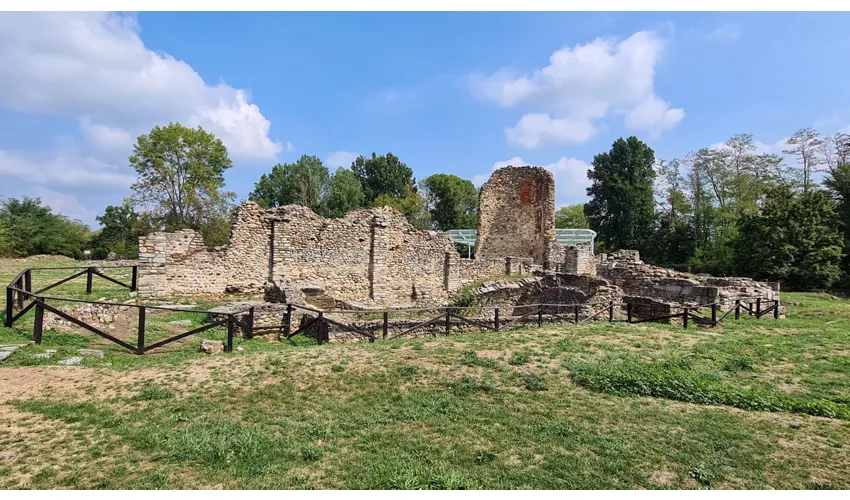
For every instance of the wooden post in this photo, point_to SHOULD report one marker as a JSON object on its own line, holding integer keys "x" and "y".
{"x": 610, "y": 311}
{"x": 685, "y": 318}
{"x": 758, "y": 307}
{"x": 10, "y": 304}
{"x": 249, "y": 333}
{"x": 628, "y": 312}
{"x": 140, "y": 342}
{"x": 539, "y": 317}
{"x": 386, "y": 324}
{"x": 28, "y": 280}
{"x": 738, "y": 309}
{"x": 88, "y": 281}
{"x": 287, "y": 325}
{"x": 20, "y": 286}
{"x": 448, "y": 323}
{"x": 576, "y": 313}
{"x": 496, "y": 319}
{"x": 134, "y": 281}
{"x": 231, "y": 325}
{"x": 319, "y": 323}
{"x": 776, "y": 309}
{"x": 713, "y": 314}
{"x": 38, "y": 327}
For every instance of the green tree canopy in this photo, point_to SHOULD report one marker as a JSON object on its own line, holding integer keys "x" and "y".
{"x": 31, "y": 229}
{"x": 345, "y": 193}
{"x": 453, "y": 201}
{"x": 304, "y": 182}
{"x": 384, "y": 174}
{"x": 571, "y": 217}
{"x": 181, "y": 176}
{"x": 622, "y": 207}
{"x": 412, "y": 205}
{"x": 119, "y": 233}
{"x": 795, "y": 238}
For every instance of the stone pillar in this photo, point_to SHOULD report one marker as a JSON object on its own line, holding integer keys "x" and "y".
{"x": 378, "y": 260}
{"x": 450, "y": 276}
{"x": 152, "y": 281}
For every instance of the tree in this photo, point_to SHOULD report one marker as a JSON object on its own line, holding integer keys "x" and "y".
{"x": 621, "y": 206}
{"x": 838, "y": 183}
{"x": 181, "y": 176}
{"x": 32, "y": 229}
{"x": 384, "y": 174}
{"x": 795, "y": 238}
{"x": 304, "y": 182}
{"x": 806, "y": 144}
{"x": 412, "y": 205}
{"x": 119, "y": 233}
{"x": 571, "y": 217}
{"x": 452, "y": 201}
{"x": 345, "y": 193}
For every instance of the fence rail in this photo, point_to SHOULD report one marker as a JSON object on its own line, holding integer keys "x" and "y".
{"x": 20, "y": 296}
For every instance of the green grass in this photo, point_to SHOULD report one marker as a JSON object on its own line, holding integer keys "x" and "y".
{"x": 607, "y": 405}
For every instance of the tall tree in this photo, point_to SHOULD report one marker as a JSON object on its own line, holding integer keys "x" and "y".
{"x": 181, "y": 176}
{"x": 119, "y": 233}
{"x": 31, "y": 229}
{"x": 571, "y": 217}
{"x": 345, "y": 193}
{"x": 452, "y": 201}
{"x": 837, "y": 181}
{"x": 413, "y": 205}
{"x": 806, "y": 144}
{"x": 304, "y": 182}
{"x": 621, "y": 206}
{"x": 384, "y": 174}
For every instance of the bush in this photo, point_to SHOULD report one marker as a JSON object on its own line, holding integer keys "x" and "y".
{"x": 657, "y": 380}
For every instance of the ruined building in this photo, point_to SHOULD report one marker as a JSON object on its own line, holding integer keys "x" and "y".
{"x": 373, "y": 258}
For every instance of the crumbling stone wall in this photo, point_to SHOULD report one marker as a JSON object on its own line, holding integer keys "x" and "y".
{"x": 516, "y": 215}
{"x": 578, "y": 260}
{"x": 638, "y": 279}
{"x": 368, "y": 258}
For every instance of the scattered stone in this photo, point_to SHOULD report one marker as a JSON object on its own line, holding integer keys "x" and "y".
{"x": 4, "y": 355}
{"x": 211, "y": 346}
{"x": 11, "y": 348}
{"x": 46, "y": 354}
{"x": 240, "y": 348}
{"x": 181, "y": 322}
{"x": 91, "y": 352}
{"x": 133, "y": 294}
{"x": 70, "y": 361}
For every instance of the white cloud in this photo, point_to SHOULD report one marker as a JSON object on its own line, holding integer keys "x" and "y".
{"x": 94, "y": 67}
{"x": 570, "y": 175}
{"x": 340, "y": 159}
{"x": 64, "y": 203}
{"x": 580, "y": 86}
{"x": 66, "y": 169}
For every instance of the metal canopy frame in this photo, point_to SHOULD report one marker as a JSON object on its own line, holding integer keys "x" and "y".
{"x": 566, "y": 237}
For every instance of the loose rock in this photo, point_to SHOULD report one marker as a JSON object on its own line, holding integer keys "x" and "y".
{"x": 70, "y": 361}
{"x": 91, "y": 352}
{"x": 181, "y": 322}
{"x": 211, "y": 346}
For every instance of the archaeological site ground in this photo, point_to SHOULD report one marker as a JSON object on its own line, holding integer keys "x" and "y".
{"x": 361, "y": 352}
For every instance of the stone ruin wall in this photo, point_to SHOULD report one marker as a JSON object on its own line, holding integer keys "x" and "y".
{"x": 368, "y": 258}
{"x": 516, "y": 215}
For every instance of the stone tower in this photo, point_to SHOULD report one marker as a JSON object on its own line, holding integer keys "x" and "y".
{"x": 516, "y": 215}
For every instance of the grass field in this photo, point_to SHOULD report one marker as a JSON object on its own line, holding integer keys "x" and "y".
{"x": 750, "y": 404}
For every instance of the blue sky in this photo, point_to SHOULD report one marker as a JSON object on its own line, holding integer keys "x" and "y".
{"x": 458, "y": 93}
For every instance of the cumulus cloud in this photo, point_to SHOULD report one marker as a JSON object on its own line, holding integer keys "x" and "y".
{"x": 570, "y": 175}
{"x": 65, "y": 169}
{"x": 340, "y": 159}
{"x": 94, "y": 67}
{"x": 581, "y": 86}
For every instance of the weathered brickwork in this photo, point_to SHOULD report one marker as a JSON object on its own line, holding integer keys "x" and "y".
{"x": 516, "y": 215}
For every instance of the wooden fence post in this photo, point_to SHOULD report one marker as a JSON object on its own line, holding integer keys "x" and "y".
{"x": 319, "y": 323}
{"x": 577, "y": 313}
{"x": 249, "y": 333}
{"x": 629, "y": 312}
{"x": 231, "y": 325}
{"x": 776, "y": 309}
{"x": 685, "y": 318}
{"x": 496, "y": 319}
{"x": 713, "y": 315}
{"x": 38, "y": 326}
{"x": 20, "y": 285}
{"x": 385, "y": 325}
{"x": 28, "y": 280}
{"x": 758, "y": 307}
{"x": 134, "y": 281}
{"x": 610, "y": 311}
{"x": 539, "y": 317}
{"x": 10, "y": 304}
{"x": 448, "y": 323}
{"x": 88, "y": 281}
{"x": 737, "y": 309}
{"x": 287, "y": 325}
{"x": 140, "y": 342}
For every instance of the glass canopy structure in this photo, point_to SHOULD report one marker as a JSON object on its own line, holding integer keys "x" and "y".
{"x": 566, "y": 237}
